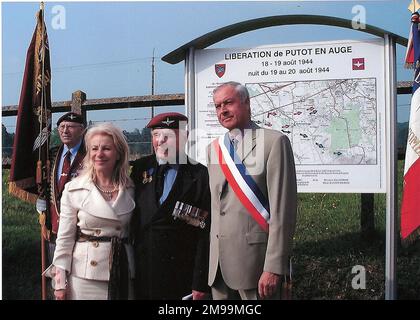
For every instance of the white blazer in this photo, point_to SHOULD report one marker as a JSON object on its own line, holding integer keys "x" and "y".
{"x": 83, "y": 206}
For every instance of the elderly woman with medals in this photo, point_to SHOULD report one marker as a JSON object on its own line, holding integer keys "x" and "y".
{"x": 93, "y": 260}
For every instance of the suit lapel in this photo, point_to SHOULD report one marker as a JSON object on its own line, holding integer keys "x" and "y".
{"x": 77, "y": 162}
{"x": 54, "y": 175}
{"x": 146, "y": 193}
{"x": 124, "y": 203}
{"x": 248, "y": 143}
{"x": 93, "y": 203}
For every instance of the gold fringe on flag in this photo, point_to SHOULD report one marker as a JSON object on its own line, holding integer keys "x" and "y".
{"x": 17, "y": 191}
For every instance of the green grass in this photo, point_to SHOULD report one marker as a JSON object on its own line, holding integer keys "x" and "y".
{"x": 328, "y": 243}
{"x": 21, "y": 260}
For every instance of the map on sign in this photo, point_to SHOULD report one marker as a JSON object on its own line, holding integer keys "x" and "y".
{"x": 329, "y": 122}
{"x": 328, "y": 98}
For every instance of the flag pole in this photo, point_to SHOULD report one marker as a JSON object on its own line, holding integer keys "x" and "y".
{"x": 29, "y": 171}
{"x": 42, "y": 215}
{"x": 42, "y": 168}
{"x": 391, "y": 194}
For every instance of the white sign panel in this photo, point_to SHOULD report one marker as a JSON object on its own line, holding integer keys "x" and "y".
{"x": 327, "y": 97}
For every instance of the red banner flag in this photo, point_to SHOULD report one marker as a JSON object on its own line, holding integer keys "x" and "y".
{"x": 29, "y": 169}
{"x": 410, "y": 209}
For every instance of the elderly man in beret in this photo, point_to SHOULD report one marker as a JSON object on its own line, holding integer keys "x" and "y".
{"x": 170, "y": 227}
{"x": 66, "y": 163}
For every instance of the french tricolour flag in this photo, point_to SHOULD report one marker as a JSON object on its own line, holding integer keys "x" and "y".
{"x": 410, "y": 207}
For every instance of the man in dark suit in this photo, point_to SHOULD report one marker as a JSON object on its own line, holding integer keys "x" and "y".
{"x": 170, "y": 227}
{"x": 66, "y": 162}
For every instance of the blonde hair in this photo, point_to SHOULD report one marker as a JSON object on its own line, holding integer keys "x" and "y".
{"x": 120, "y": 174}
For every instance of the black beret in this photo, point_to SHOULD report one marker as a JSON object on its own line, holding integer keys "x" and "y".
{"x": 71, "y": 117}
{"x": 168, "y": 120}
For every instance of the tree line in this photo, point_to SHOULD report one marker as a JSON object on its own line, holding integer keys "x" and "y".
{"x": 138, "y": 141}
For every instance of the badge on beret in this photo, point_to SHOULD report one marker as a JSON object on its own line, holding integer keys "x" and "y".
{"x": 168, "y": 120}
{"x": 71, "y": 117}
{"x": 191, "y": 215}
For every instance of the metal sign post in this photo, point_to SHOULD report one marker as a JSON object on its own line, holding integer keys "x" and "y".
{"x": 190, "y": 96}
{"x": 391, "y": 193}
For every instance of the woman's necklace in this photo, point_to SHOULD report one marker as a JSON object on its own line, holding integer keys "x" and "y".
{"x": 107, "y": 194}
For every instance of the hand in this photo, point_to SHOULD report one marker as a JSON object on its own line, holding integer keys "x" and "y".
{"x": 267, "y": 285}
{"x": 198, "y": 295}
{"x": 45, "y": 233}
{"x": 41, "y": 205}
{"x": 60, "y": 294}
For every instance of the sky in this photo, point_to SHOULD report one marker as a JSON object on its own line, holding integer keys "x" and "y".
{"x": 105, "y": 48}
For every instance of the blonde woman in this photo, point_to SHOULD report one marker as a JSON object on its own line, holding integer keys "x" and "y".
{"x": 93, "y": 260}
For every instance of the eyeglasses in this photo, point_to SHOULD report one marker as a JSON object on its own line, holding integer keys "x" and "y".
{"x": 63, "y": 127}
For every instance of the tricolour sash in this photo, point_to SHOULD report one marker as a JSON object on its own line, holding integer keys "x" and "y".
{"x": 245, "y": 188}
